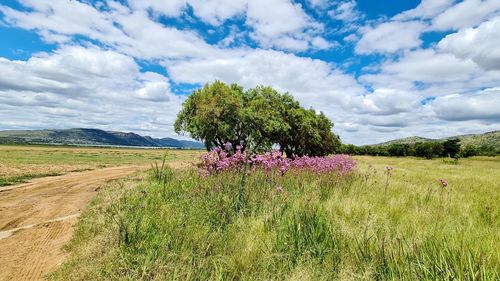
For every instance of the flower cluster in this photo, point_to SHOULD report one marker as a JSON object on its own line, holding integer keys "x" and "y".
{"x": 342, "y": 164}
{"x": 219, "y": 160}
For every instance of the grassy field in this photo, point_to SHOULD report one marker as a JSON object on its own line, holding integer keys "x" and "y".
{"x": 367, "y": 226}
{"x": 21, "y": 163}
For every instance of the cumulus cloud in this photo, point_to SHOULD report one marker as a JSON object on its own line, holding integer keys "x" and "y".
{"x": 467, "y": 13}
{"x": 479, "y": 44}
{"x": 283, "y": 25}
{"x": 483, "y": 106}
{"x": 430, "y": 66}
{"x": 384, "y": 101}
{"x": 313, "y": 82}
{"x": 390, "y": 37}
{"x": 85, "y": 87}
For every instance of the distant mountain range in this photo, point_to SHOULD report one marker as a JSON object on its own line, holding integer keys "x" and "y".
{"x": 91, "y": 137}
{"x": 489, "y": 139}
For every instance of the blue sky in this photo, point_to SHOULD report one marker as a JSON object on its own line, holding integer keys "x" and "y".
{"x": 379, "y": 69}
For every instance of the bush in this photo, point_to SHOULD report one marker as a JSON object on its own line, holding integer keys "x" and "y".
{"x": 451, "y": 148}
{"x": 429, "y": 150}
{"x": 468, "y": 151}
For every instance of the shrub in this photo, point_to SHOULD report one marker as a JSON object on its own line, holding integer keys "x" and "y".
{"x": 469, "y": 150}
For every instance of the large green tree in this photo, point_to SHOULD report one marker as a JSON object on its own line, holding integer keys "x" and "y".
{"x": 258, "y": 118}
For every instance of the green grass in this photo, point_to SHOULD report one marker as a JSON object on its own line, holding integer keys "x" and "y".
{"x": 4, "y": 181}
{"x": 179, "y": 226}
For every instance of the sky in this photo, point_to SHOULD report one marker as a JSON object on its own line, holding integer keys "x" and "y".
{"x": 379, "y": 70}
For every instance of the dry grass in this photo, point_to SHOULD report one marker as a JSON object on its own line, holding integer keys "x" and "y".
{"x": 21, "y": 163}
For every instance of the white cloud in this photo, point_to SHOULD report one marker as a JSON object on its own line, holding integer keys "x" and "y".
{"x": 278, "y": 24}
{"x": 281, "y": 24}
{"x": 430, "y": 66}
{"x": 213, "y": 12}
{"x": 318, "y": 3}
{"x": 321, "y": 44}
{"x": 127, "y": 31}
{"x": 483, "y": 105}
{"x": 314, "y": 82}
{"x": 171, "y": 8}
{"x": 345, "y": 11}
{"x": 385, "y": 101}
{"x": 467, "y": 13}
{"x": 426, "y": 9}
{"x": 390, "y": 37}
{"x": 85, "y": 87}
{"x": 480, "y": 44}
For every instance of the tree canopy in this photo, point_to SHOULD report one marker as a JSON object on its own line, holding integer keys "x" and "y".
{"x": 255, "y": 119}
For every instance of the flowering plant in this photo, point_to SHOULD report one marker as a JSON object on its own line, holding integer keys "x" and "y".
{"x": 219, "y": 160}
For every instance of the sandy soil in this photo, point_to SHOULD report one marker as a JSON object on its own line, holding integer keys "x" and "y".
{"x": 37, "y": 218}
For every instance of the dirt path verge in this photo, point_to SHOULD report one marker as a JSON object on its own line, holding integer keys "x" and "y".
{"x": 37, "y": 218}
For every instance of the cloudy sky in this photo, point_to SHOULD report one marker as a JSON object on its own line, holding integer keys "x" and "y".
{"x": 379, "y": 69}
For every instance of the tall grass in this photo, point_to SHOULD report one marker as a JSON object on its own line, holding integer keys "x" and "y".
{"x": 239, "y": 226}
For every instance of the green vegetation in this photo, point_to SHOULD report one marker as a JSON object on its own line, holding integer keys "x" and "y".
{"x": 451, "y": 147}
{"x": 256, "y": 119}
{"x": 399, "y": 224}
{"x": 4, "y": 181}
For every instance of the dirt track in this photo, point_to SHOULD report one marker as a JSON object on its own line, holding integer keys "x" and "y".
{"x": 37, "y": 218}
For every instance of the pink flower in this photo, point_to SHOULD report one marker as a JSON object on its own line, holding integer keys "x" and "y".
{"x": 388, "y": 170}
{"x": 219, "y": 160}
{"x": 444, "y": 183}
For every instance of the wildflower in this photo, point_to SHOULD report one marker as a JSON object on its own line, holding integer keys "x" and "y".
{"x": 279, "y": 189}
{"x": 388, "y": 173}
{"x": 388, "y": 170}
{"x": 444, "y": 183}
{"x": 220, "y": 160}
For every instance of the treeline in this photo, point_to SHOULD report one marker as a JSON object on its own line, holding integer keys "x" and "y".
{"x": 449, "y": 148}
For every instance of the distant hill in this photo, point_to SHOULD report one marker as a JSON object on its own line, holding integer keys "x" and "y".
{"x": 91, "y": 137}
{"x": 489, "y": 138}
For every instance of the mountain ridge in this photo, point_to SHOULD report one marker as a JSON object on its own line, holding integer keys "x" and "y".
{"x": 91, "y": 137}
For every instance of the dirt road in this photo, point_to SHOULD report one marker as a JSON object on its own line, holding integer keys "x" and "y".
{"x": 37, "y": 218}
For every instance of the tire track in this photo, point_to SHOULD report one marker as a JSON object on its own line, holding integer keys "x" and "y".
{"x": 37, "y": 218}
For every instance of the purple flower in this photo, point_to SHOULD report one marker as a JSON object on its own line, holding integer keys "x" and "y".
{"x": 219, "y": 160}
{"x": 279, "y": 189}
